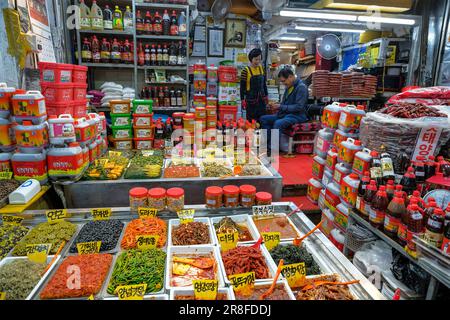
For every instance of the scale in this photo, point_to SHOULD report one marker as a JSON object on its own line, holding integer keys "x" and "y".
{"x": 441, "y": 196}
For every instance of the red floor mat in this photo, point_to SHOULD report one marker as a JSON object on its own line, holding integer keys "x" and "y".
{"x": 296, "y": 170}
{"x": 307, "y": 205}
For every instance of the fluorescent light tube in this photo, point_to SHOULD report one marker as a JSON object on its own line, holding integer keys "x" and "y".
{"x": 287, "y": 47}
{"x": 292, "y": 38}
{"x": 328, "y": 29}
{"x": 408, "y": 22}
{"x": 317, "y": 15}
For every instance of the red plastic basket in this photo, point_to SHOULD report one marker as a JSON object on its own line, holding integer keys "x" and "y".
{"x": 79, "y": 91}
{"x": 55, "y": 109}
{"x": 79, "y": 74}
{"x": 227, "y": 74}
{"x": 57, "y": 92}
{"x": 79, "y": 108}
{"x": 228, "y": 113}
{"x": 55, "y": 72}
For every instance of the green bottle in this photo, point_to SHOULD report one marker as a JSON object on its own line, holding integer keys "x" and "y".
{"x": 117, "y": 20}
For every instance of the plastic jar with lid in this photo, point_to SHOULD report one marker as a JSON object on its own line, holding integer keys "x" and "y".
{"x": 213, "y": 196}
{"x": 138, "y": 198}
{"x": 189, "y": 122}
{"x": 248, "y": 195}
{"x": 175, "y": 199}
{"x": 263, "y": 199}
{"x": 157, "y": 198}
{"x": 231, "y": 196}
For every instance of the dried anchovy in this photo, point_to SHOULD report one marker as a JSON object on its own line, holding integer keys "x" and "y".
{"x": 10, "y": 235}
{"x": 19, "y": 277}
{"x": 190, "y": 234}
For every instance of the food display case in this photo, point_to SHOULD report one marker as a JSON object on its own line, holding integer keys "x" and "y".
{"x": 325, "y": 254}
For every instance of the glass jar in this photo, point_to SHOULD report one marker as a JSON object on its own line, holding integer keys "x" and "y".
{"x": 231, "y": 196}
{"x": 213, "y": 196}
{"x": 248, "y": 195}
{"x": 175, "y": 199}
{"x": 138, "y": 198}
{"x": 157, "y": 198}
{"x": 263, "y": 199}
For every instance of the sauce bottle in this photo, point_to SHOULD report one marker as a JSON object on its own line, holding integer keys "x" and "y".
{"x": 157, "y": 24}
{"x": 395, "y": 210}
{"x": 159, "y": 135}
{"x": 173, "y": 52}
{"x": 126, "y": 53}
{"x": 409, "y": 181}
{"x": 147, "y": 55}
{"x": 415, "y": 225}
{"x": 115, "y": 52}
{"x": 173, "y": 98}
{"x": 387, "y": 167}
{"x": 96, "y": 16}
{"x": 419, "y": 167}
{"x": 421, "y": 203}
{"x": 365, "y": 180}
{"x": 148, "y": 24}
{"x": 430, "y": 167}
{"x": 181, "y": 54}
{"x": 173, "y": 24}
{"x": 85, "y": 17}
{"x": 182, "y": 27}
{"x": 180, "y": 100}
{"x": 442, "y": 165}
{"x": 155, "y": 97}
{"x": 161, "y": 96}
{"x": 375, "y": 168}
{"x": 128, "y": 19}
{"x": 166, "y": 97}
{"x": 140, "y": 24}
{"x": 434, "y": 228}
{"x": 141, "y": 55}
{"x": 153, "y": 56}
{"x": 378, "y": 208}
{"x": 86, "y": 52}
{"x": 117, "y": 19}
{"x": 370, "y": 193}
{"x": 96, "y": 57}
{"x": 165, "y": 55}
{"x": 446, "y": 241}
{"x": 166, "y": 23}
{"x": 107, "y": 18}
{"x": 105, "y": 53}
{"x": 159, "y": 56}
{"x": 402, "y": 234}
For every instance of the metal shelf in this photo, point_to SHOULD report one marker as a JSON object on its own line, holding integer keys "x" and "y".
{"x": 110, "y": 32}
{"x": 175, "y": 68}
{"x": 167, "y": 83}
{"x": 162, "y": 5}
{"x": 169, "y": 109}
{"x": 108, "y": 65}
{"x": 155, "y": 37}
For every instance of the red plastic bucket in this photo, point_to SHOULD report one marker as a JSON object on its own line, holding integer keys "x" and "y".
{"x": 55, "y": 109}
{"x": 228, "y": 113}
{"x": 55, "y": 72}
{"x": 79, "y": 74}
{"x": 79, "y": 108}
{"x": 227, "y": 74}
{"x": 57, "y": 92}
{"x": 79, "y": 91}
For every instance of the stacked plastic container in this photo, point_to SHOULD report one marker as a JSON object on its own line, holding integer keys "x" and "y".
{"x": 335, "y": 181}
{"x": 122, "y": 124}
{"x": 200, "y": 81}
{"x": 228, "y": 94}
{"x": 142, "y": 124}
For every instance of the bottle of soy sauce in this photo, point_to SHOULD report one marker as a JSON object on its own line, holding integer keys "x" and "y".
{"x": 375, "y": 168}
{"x": 378, "y": 206}
{"x": 387, "y": 167}
{"x": 409, "y": 181}
{"x": 430, "y": 167}
{"x": 419, "y": 167}
{"x": 361, "y": 191}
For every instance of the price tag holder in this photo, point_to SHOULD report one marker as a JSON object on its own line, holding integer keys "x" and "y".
{"x": 147, "y": 153}
{"x": 294, "y": 273}
{"x": 54, "y": 216}
{"x": 147, "y": 212}
{"x": 146, "y": 242}
{"x": 89, "y": 247}
{"x": 38, "y": 252}
{"x": 12, "y": 220}
{"x": 186, "y": 215}
{"x": 205, "y": 289}
{"x": 271, "y": 239}
{"x": 262, "y": 211}
{"x": 2, "y": 295}
{"x": 228, "y": 240}
{"x": 131, "y": 292}
{"x": 6, "y": 175}
{"x": 243, "y": 283}
{"x": 101, "y": 213}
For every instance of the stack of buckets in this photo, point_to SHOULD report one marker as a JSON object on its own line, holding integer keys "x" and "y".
{"x": 335, "y": 181}
{"x": 142, "y": 124}
{"x": 200, "y": 73}
{"x": 228, "y": 94}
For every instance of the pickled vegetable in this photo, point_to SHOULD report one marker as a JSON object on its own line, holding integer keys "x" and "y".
{"x": 144, "y": 226}
{"x": 145, "y": 167}
{"x": 213, "y": 169}
{"x": 227, "y": 225}
{"x": 192, "y": 233}
{"x": 9, "y": 236}
{"x": 295, "y": 254}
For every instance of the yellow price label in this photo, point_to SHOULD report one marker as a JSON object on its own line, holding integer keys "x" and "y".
{"x": 228, "y": 240}
{"x": 13, "y": 220}
{"x": 91, "y": 297}
{"x": 54, "y": 216}
{"x": 38, "y": 252}
{"x": 271, "y": 239}
{"x": 205, "y": 289}
{"x": 101, "y": 162}
{"x": 6, "y": 175}
{"x": 186, "y": 215}
{"x": 294, "y": 273}
{"x": 145, "y": 242}
{"x": 147, "y": 212}
{"x": 89, "y": 247}
{"x": 131, "y": 292}
{"x": 101, "y": 213}
{"x": 243, "y": 283}
{"x": 115, "y": 153}
{"x": 2, "y": 295}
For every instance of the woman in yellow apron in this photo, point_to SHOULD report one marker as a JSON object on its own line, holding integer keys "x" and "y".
{"x": 254, "y": 87}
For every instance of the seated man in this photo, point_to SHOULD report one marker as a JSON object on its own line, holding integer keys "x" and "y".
{"x": 292, "y": 109}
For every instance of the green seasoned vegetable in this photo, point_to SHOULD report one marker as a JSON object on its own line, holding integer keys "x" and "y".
{"x": 145, "y": 167}
{"x": 46, "y": 232}
{"x": 9, "y": 236}
{"x": 294, "y": 254}
{"x": 19, "y": 277}
{"x": 137, "y": 267}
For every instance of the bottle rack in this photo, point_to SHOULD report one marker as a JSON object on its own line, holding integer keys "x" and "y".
{"x": 134, "y": 67}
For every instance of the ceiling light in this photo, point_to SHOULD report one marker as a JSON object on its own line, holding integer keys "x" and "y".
{"x": 287, "y": 47}
{"x": 382, "y": 5}
{"x": 317, "y": 15}
{"x": 328, "y": 29}
{"x": 408, "y": 22}
{"x": 291, "y": 38}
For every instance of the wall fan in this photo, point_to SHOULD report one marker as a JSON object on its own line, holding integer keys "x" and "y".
{"x": 268, "y": 7}
{"x": 220, "y": 9}
{"x": 328, "y": 46}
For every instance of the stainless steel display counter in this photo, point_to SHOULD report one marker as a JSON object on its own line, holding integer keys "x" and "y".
{"x": 329, "y": 258}
{"x": 114, "y": 193}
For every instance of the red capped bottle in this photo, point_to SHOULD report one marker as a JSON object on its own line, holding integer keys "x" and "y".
{"x": 371, "y": 191}
{"x": 390, "y": 189}
{"x": 378, "y": 208}
{"x": 409, "y": 181}
{"x": 365, "y": 180}
{"x": 395, "y": 210}
{"x": 415, "y": 225}
{"x": 434, "y": 228}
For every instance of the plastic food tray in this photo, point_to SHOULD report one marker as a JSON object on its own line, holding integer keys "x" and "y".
{"x": 242, "y": 218}
{"x": 119, "y": 246}
{"x": 147, "y": 297}
{"x": 269, "y": 262}
{"x": 193, "y": 250}
{"x": 433, "y": 256}
{"x": 338, "y": 278}
{"x": 269, "y": 283}
{"x": 112, "y": 251}
{"x": 104, "y": 292}
{"x": 97, "y": 296}
{"x": 183, "y": 291}
{"x": 168, "y": 162}
{"x": 225, "y": 161}
{"x": 176, "y": 222}
{"x": 43, "y": 278}
{"x": 9, "y": 254}
{"x": 290, "y": 222}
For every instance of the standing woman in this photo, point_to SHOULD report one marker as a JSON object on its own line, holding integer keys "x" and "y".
{"x": 254, "y": 87}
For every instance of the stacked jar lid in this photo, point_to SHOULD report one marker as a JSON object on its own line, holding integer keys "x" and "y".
{"x": 232, "y": 196}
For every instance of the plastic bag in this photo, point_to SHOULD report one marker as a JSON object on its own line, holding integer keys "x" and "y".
{"x": 427, "y": 93}
{"x": 413, "y": 276}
